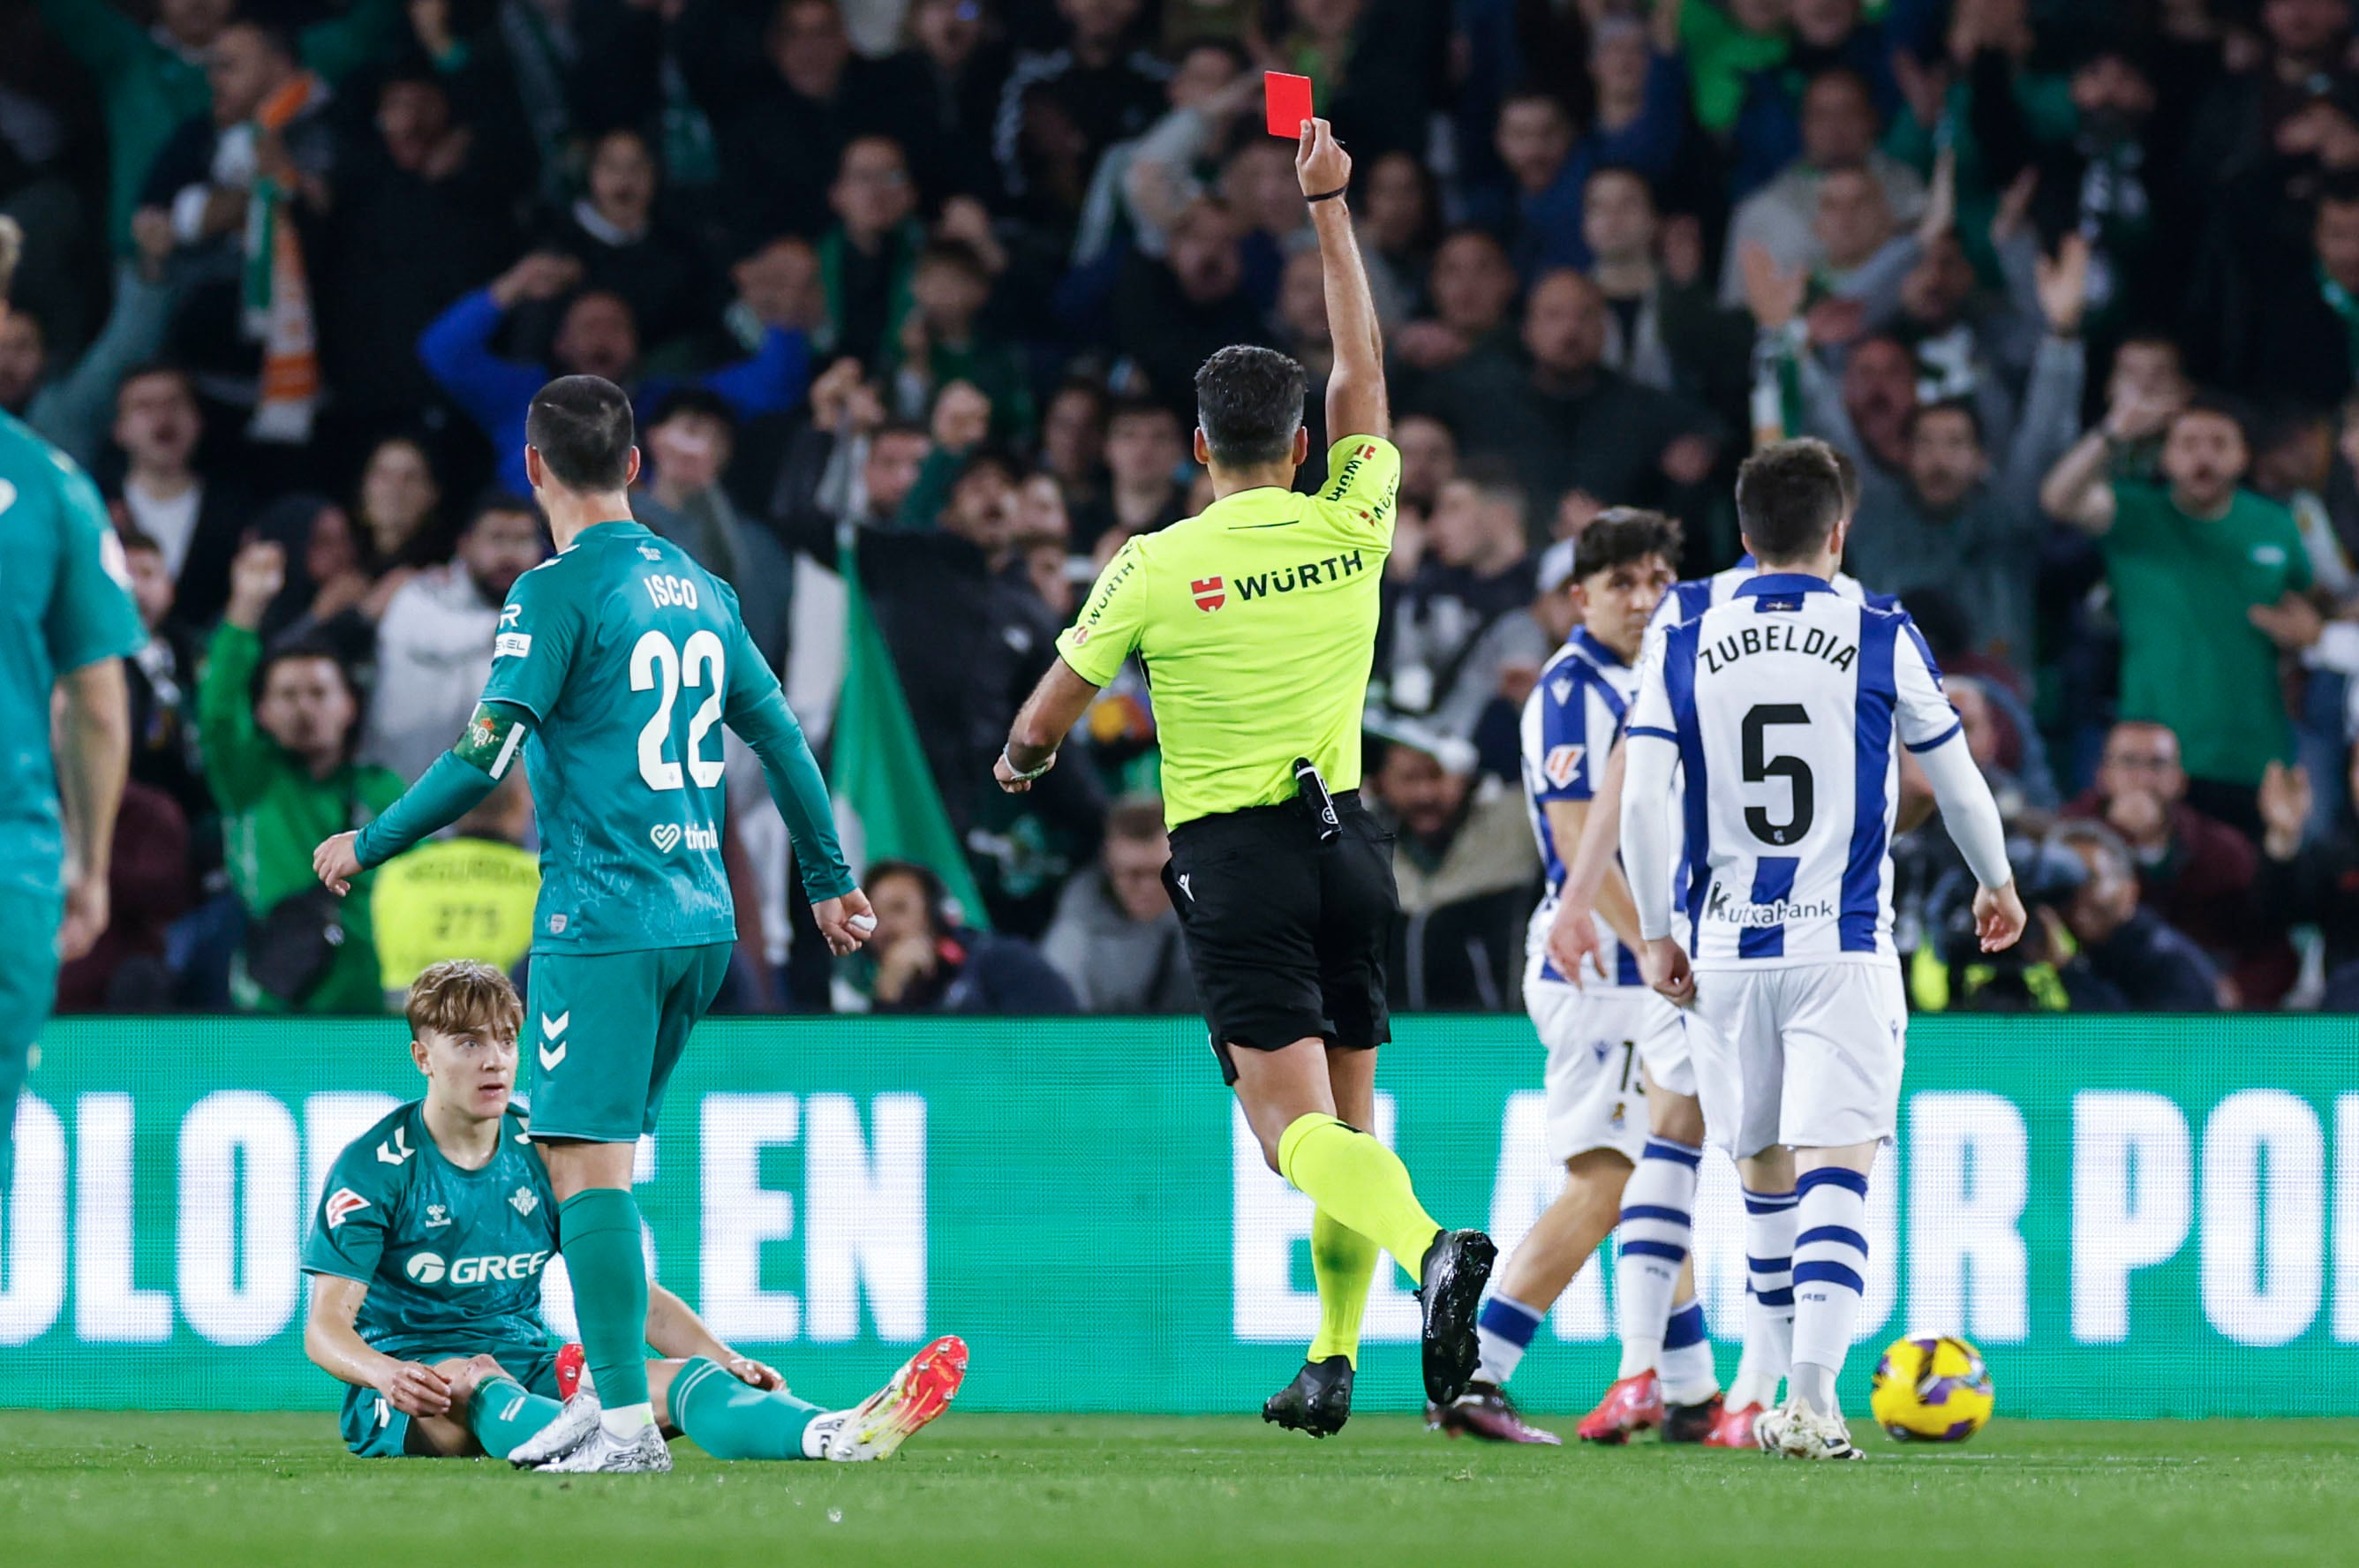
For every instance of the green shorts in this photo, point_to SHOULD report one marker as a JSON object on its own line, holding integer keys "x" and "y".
{"x": 604, "y": 1031}
{"x": 374, "y": 1430}
{"x": 28, "y": 985}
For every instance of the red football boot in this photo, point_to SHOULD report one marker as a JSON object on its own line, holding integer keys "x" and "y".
{"x": 1634, "y": 1404}
{"x": 1733, "y": 1429}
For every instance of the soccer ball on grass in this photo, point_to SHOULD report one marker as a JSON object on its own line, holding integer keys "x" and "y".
{"x": 1932, "y": 1389}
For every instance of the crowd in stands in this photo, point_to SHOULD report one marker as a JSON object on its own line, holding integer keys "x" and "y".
{"x": 909, "y": 295}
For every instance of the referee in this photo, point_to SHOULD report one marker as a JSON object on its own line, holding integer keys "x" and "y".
{"x": 1257, "y": 624}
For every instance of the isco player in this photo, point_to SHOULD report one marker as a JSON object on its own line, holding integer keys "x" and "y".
{"x": 1619, "y": 1086}
{"x": 614, "y": 662}
{"x": 1787, "y": 710}
{"x": 1256, "y": 622}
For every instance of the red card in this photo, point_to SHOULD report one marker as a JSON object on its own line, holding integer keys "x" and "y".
{"x": 1289, "y": 98}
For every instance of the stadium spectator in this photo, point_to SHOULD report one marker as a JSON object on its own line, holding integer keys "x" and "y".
{"x": 868, "y": 257}
{"x": 1463, "y": 628}
{"x": 627, "y": 246}
{"x": 2197, "y": 874}
{"x": 470, "y": 895}
{"x": 2313, "y": 884}
{"x": 249, "y": 183}
{"x": 1429, "y": 459}
{"x": 1838, "y": 131}
{"x": 688, "y": 440}
{"x": 1471, "y": 289}
{"x": 1145, "y": 183}
{"x": 1116, "y": 938}
{"x": 2156, "y": 968}
{"x": 162, "y": 682}
{"x": 1173, "y": 312}
{"x": 148, "y": 886}
{"x": 1563, "y": 419}
{"x": 434, "y": 642}
{"x": 922, "y": 958}
{"x": 596, "y": 336}
{"x": 195, "y": 521}
{"x": 1146, "y": 454}
{"x": 278, "y": 730}
{"x": 1063, "y": 107}
{"x": 1467, "y": 873}
{"x": 70, "y": 405}
{"x": 2208, "y": 581}
{"x": 1825, "y": 35}
{"x": 939, "y": 342}
{"x": 1664, "y": 329}
{"x": 958, "y": 66}
{"x": 399, "y": 508}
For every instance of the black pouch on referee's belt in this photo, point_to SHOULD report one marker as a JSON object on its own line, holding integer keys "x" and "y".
{"x": 1311, "y": 791}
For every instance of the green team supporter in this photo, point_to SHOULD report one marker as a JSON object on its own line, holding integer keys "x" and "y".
{"x": 1270, "y": 591}
{"x": 459, "y": 897}
{"x": 2191, "y": 657}
{"x": 66, "y": 606}
{"x": 277, "y": 803}
{"x": 453, "y": 1258}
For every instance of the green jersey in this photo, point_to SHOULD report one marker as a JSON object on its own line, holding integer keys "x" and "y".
{"x": 453, "y": 1258}
{"x": 2191, "y": 657}
{"x": 629, "y": 656}
{"x": 1256, "y": 623}
{"x": 67, "y": 604}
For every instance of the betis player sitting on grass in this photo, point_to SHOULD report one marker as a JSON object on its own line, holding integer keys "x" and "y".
{"x": 426, "y": 1260}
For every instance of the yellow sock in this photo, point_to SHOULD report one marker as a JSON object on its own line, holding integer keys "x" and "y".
{"x": 1345, "y": 1263}
{"x": 1359, "y": 1182}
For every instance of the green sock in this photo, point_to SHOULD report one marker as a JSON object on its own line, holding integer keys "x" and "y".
{"x": 1361, "y": 1182}
{"x": 598, "y": 1231}
{"x": 1345, "y": 1263}
{"x": 504, "y": 1412}
{"x": 731, "y": 1419}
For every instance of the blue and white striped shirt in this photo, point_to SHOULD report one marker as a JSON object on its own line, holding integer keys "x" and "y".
{"x": 1786, "y": 702}
{"x": 1569, "y": 725}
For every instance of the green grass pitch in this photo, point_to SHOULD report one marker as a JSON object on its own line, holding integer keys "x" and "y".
{"x": 258, "y": 1491}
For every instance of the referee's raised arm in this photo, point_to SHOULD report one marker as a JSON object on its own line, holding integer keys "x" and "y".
{"x": 1356, "y": 405}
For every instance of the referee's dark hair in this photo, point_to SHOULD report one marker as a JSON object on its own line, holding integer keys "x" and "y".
{"x": 1620, "y": 535}
{"x": 1789, "y": 497}
{"x": 582, "y": 427}
{"x": 1249, "y": 404}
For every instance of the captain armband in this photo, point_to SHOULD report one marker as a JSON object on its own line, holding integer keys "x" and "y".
{"x": 492, "y": 739}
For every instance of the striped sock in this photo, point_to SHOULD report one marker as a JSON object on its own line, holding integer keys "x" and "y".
{"x": 1505, "y": 1332}
{"x": 1689, "y": 1375}
{"x": 1657, "y": 1204}
{"x": 1830, "y": 1273}
{"x": 1768, "y": 1299}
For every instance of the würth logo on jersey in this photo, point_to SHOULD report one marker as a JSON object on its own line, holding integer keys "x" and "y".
{"x": 1211, "y": 592}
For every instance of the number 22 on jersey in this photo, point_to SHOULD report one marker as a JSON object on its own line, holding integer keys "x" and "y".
{"x": 660, "y": 665}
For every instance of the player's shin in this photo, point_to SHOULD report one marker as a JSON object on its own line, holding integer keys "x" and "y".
{"x": 504, "y": 1413}
{"x": 1830, "y": 1274}
{"x": 1689, "y": 1377}
{"x": 731, "y": 1419}
{"x": 1360, "y": 1182}
{"x": 1656, "y": 1206}
{"x": 598, "y": 1233}
{"x": 1768, "y": 1299}
{"x": 1343, "y": 1262}
{"x": 1505, "y": 1330}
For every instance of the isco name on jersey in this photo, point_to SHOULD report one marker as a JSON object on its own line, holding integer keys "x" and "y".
{"x": 1786, "y": 701}
{"x": 1569, "y": 722}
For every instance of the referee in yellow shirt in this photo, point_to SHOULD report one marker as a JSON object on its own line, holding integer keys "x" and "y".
{"x": 1256, "y": 622}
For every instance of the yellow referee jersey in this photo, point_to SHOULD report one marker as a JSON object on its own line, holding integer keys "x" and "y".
{"x": 1255, "y": 623}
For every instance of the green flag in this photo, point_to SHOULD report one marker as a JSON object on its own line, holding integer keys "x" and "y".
{"x": 886, "y": 805}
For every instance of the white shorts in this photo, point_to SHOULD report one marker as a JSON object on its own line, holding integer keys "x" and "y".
{"x": 1597, "y": 1038}
{"x": 1807, "y": 1055}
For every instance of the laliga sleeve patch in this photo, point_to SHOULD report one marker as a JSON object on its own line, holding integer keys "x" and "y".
{"x": 343, "y": 1204}
{"x": 1560, "y": 763}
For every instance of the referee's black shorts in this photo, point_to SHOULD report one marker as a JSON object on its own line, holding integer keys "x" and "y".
{"x": 1286, "y": 936}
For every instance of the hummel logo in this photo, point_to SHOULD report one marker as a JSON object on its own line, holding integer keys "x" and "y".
{"x": 436, "y": 1217}
{"x": 523, "y": 1201}
{"x": 552, "y": 1051}
{"x": 1182, "y": 880}
{"x": 398, "y": 1151}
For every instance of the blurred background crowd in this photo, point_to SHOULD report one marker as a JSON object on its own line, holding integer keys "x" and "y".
{"x": 909, "y": 294}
